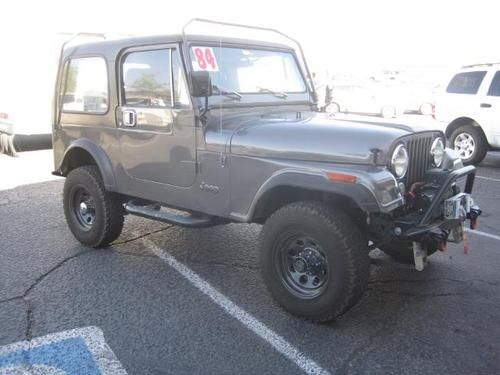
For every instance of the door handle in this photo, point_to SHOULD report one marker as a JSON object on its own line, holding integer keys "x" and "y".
{"x": 129, "y": 117}
{"x": 485, "y": 105}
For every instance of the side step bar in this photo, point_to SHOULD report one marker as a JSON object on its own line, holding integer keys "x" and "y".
{"x": 154, "y": 211}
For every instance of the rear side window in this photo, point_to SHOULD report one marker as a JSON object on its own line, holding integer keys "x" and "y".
{"x": 86, "y": 87}
{"x": 466, "y": 83}
{"x": 146, "y": 79}
{"x": 494, "y": 89}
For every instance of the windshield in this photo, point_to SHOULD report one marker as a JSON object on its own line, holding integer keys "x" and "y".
{"x": 248, "y": 71}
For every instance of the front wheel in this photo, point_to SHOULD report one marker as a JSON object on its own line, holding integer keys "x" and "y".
{"x": 470, "y": 143}
{"x": 94, "y": 215}
{"x": 314, "y": 260}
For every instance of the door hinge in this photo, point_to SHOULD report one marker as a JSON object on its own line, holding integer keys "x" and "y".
{"x": 223, "y": 159}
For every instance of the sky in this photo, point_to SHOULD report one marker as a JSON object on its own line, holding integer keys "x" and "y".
{"x": 338, "y": 36}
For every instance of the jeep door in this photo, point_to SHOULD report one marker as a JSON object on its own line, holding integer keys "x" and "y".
{"x": 155, "y": 119}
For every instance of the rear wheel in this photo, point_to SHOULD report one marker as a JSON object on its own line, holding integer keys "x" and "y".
{"x": 314, "y": 260}
{"x": 470, "y": 143}
{"x": 94, "y": 215}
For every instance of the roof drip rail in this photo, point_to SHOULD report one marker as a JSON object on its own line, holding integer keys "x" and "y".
{"x": 478, "y": 65}
{"x": 259, "y": 28}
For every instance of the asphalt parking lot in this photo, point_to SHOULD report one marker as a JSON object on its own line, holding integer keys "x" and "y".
{"x": 165, "y": 299}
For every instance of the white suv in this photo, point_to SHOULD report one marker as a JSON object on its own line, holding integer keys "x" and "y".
{"x": 470, "y": 107}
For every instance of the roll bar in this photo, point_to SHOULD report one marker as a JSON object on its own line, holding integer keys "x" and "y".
{"x": 260, "y": 28}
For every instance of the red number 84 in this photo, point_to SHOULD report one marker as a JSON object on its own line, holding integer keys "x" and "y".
{"x": 205, "y": 58}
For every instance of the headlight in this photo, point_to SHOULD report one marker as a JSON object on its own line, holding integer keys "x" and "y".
{"x": 399, "y": 161}
{"x": 437, "y": 152}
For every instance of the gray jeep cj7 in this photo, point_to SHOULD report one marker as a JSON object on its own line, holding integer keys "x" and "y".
{"x": 198, "y": 130}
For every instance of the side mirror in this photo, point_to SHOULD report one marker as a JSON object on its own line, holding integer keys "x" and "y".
{"x": 201, "y": 84}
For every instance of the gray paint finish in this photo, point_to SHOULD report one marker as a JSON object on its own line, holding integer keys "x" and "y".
{"x": 222, "y": 163}
{"x": 313, "y": 138}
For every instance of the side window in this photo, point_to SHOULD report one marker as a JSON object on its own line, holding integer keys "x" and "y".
{"x": 466, "y": 83}
{"x": 86, "y": 86}
{"x": 146, "y": 79}
{"x": 494, "y": 89}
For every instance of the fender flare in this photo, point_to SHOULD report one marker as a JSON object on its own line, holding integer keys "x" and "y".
{"x": 316, "y": 181}
{"x": 98, "y": 154}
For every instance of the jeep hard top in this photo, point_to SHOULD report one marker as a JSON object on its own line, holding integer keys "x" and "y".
{"x": 200, "y": 130}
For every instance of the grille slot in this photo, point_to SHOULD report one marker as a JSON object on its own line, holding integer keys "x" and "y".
{"x": 419, "y": 147}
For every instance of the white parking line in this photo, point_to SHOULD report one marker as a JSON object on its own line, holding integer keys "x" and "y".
{"x": 488, "y": 178}
{"x": 484, "y": 234}
{"x": 256, "y": 326}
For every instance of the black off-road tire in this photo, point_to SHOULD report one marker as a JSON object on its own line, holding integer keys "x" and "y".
{"x": 402, "y": 252}
{"x": 481, "y": 144}
{"x": 109, "y": 212}
{"x": 345, "y": 249}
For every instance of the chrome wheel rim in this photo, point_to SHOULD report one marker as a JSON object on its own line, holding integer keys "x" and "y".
{"x": 465, "y": 145}
{"x": 303, "y": 267}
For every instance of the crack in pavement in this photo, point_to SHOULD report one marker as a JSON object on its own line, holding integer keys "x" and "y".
{"x": 29, "y": 320}
{"x": 138, "y": 237}
{"x": 25, "y": 296}
{"x": 136, "y": 255}
{"x": 11, "y": 299}
{"x": 234, "y": 265}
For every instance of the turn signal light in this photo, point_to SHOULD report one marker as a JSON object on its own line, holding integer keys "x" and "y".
{"x": 340, "y": 177}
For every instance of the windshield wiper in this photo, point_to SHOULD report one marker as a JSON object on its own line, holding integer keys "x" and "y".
{"x": 277, "y": 94}
{"x": 230, "y": 94}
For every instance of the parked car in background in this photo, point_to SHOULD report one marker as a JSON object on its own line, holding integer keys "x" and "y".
{"x": 470, "y": 109}
{"x": 361, "y": 99}
{"x": 417, "y": 99}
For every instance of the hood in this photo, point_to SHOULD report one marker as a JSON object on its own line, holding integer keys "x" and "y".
{"x": 316, "y": 138}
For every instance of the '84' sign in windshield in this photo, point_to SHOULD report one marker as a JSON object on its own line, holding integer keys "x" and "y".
{"x": 204, "y": 59}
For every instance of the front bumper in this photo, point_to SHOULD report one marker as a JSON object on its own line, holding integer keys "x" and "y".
{"x": 435, "y": 224}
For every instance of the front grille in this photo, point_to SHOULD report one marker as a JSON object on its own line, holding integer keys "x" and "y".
{"x": 419, "y": 147}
